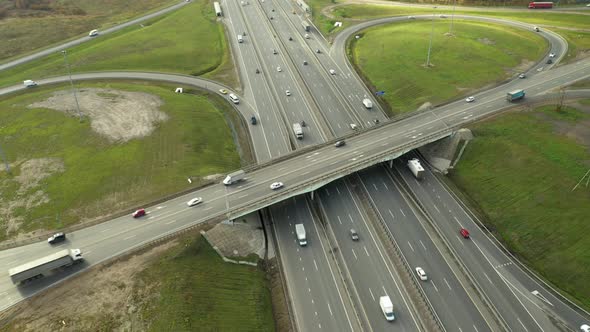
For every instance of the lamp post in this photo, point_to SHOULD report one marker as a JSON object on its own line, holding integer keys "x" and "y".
{"x": 65, "y": 53}
{"x": 452, "y": 17}
{"x": 430, "y": 43}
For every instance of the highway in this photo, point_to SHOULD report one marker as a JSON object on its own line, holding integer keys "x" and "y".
{"x": 313, "y": 280}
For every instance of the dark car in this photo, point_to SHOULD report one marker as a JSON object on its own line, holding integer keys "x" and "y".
{"x": 549, "y": 61}
{"x": 339, "y": 144}
{"x": 253, "y": 120}
{"x": 56, "y": 238}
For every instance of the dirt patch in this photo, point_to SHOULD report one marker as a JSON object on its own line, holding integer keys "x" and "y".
{"x": 117, "y": 115}
{"x": 32, "y": 173}
{"x": 486, "y": 41}
{"x": 102, "y": 299}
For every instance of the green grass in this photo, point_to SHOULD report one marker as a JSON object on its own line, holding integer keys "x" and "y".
{"x": 101, "y": 176}
{"x": 187, "y": 41}
{"x": 520, "y": 172}
{"x": 578, "y": 42}
{"x": 538, "y": 17}
{"x": 392, "y": 58}
{"x": 19, "y": 36}
{"x": 197, "y": 291}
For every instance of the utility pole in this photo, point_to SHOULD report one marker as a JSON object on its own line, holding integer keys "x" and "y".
{"x": 430, "y": 44}
{"x": 65, "y": 53}
{"x": 452, "y": 17}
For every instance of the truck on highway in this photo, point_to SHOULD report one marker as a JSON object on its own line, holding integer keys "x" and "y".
{"x": 515, "y": 95}
{"x": 416, "y": 168}
{"x": 298, "y": 130}
{"x": 305, "y": 25}
{"x": 240, "y": 39}
{"x": 368, "y": 103}
{"x": 387, "y": 308}
{"x": 45, "y": 265}
{"x": 300, "y": 231}
{"x": 540, "y": 4}
{"x": 234, "y": 177}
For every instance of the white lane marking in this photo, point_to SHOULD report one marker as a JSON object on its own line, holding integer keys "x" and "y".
{"x": 490, "y": 280}
{"x": 354, "y": 253}
{"x": 370, "y": 291}
{"x": 433, "y": 284}
{"x": 339, "y": 220}
{"x": 327, "y": 191}
{"x": 410, "y": 246}
{"x": 160, "y": 207}
{"x": 446, "y": 282}
{"x": 476, "y": 330}
{"x": 391, "y": 213}
{"x": 316, "y": 265}
{"x": 366, "y": 251}
{"x": 338, "y": 190}
{"x": 350, "y": 217}
{"x": 543, "y": 298}
{"x": 385, "y": 185}
{"x": 244, "y": 195}
{"x": 423, "y": 246}
{"x": 436, "y": 207}
{"x": 375, "y": 186}
{"x": 105, "y": 230}
{"x": 129, "y": 237}
{"x": 87, "y": 252}
{"x": 384, "y": 290}
{"x": 330, "y": 309}
{"x": 402, "y": 211}
{"x": 524, "y": 327}
{"x": 457, "y": 220}
{"x": 208, "y": 208}
{"x": 171, "y": 221}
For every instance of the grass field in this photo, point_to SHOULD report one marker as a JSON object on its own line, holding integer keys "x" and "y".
{"x": 537, "y": 17}
{"x": 392, "y": 57}
{"x": 68, "y": 19}
{"x": 187, "y": 41}
{"x": 520, "y": 170}
{"x": 101, "y": 176}
{"x": 197, "y": 291}
{"x": 578, "y": 43}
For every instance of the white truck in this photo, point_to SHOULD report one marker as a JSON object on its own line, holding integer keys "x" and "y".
{"x": 305, "y": 25}
{"x": 387, "y": 308}
{"x": 416, "y": 168}
{"x": 298, "y": 130}
{"x": 368, "y": 103}
{"x": 300, "y": 231}
{"x": 240, "y": 39}
{"x": 234, "y": 177}
{"x": 45, "y": 265}
{"x": 29, "y": 83}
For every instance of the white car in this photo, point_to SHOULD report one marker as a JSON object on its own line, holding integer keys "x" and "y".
{"x": 332, "y": 72}
{"x": 421, "y": 274}
{"x": 523, "y": 75}
{"x": 443, "y": 16}
{"x": 585, "y": 328}
{"x": 194, "y": 201}
{"x": 276, "y": 185}
{"x": 552, "y": 55}
{"x": 411, "y": 17}
{"x": 279, "y": 69}
{"x": 287, "y": 92}
{"x": 470, "y": 99}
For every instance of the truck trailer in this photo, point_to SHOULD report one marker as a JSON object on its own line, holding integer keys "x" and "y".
{"x": 45, "y": 265}
{"x": 515, "y": 95}
{"x": 540, "y": 4}
{"x": 416, "y": 168}
{"x": 300, "y": 231}
{"x": 298, "y": 130}
{"x": 234, "y": 177}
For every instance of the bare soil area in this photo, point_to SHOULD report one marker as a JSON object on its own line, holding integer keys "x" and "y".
{"x": 117, "y": 115}
{"x": 103, "y": 299}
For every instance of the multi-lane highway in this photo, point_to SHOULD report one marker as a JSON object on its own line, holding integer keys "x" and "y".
{"x": 329, "y": 103}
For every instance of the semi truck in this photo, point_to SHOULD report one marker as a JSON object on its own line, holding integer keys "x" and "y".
{"x": 416, "y": 168}
{"x": 539, "y": 4}
{"x": 45, "y": 265}
{"x": 515, "y": 95}
{"x": 298, "y": 130}
{"x": 234, "y": 177}
{"x": 300, "y": 231}
{"x": 387, "y": 308}
{"x": 368, "y": 103}
{"x": 305, "y": 25}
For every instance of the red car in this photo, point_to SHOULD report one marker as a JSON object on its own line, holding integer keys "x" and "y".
{"x": 138, "y": 213}
{"x": 464, "y": 233}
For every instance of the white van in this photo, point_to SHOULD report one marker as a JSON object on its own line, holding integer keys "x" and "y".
{"x": 234, "y": 98}
{"x": 93, "y": 33}
{"x": 29, "y": 83}
{"x": 240, "y": 39}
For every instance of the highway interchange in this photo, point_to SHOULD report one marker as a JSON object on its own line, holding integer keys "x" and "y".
{"x": 339, "y": 289}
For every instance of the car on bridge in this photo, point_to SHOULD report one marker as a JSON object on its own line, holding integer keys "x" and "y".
{"x": 276, "y": 185}
{"x": 139, "y": 213}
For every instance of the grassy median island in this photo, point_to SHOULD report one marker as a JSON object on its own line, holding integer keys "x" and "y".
{"x": 187, "y": 41}
{"x": 393, "y": 57}
{"x": 197, "y": 291}
{"x": 519, "y": 171}
{"x": 137, "y": 143}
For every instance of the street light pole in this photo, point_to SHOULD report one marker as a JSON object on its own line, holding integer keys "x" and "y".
{"x": 430, "y": 44}
{"x": 65, "y": 53}
{"x": 452, "y": 17}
